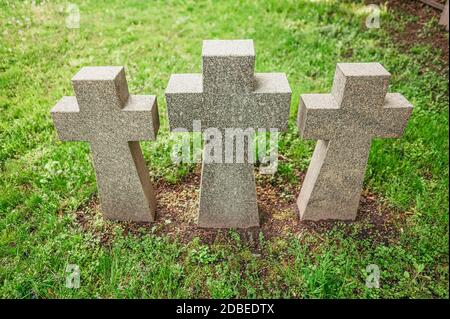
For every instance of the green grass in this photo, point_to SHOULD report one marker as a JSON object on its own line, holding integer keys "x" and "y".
{"x": 43, "y": 181}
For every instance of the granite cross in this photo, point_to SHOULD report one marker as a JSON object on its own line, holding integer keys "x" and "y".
{"x": 344, "y": 122}
{"x": 228, "y": 95}
{"x": 113, "y": 122}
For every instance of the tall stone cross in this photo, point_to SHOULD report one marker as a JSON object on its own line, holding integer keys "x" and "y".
{"x": 113, "y": 122}
{"x": 228, "y": 95}
{"x": 344, "y": 122}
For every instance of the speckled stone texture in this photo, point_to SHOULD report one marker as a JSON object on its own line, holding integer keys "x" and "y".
{"x": 345, "y": 122}
{"x": 112, "y": 121}
{"x": 228, "y": 94}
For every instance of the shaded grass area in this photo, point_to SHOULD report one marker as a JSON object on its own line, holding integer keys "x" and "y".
{"x": 45, "y": 184}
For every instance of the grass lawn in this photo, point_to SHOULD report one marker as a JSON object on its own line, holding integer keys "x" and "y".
{"x": 48, "y": 208}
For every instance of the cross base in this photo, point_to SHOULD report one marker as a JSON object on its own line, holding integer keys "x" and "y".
{"x": 332, "y": 186}
{"x": 124, "y": 186}
{"x": 228, "y": 196}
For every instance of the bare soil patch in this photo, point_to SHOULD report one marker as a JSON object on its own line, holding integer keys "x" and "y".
{"x": 418, "y": 31}
{"x": 178, "y": 204}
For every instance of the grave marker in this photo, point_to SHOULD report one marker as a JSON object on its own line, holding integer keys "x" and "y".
{"x": 228, "y": 94}
{"x": 103, "y": 113}
{"x": 345, "y": 122}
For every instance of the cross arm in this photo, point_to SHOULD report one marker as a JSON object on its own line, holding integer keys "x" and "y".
{"x": 395, "y": 115}
{"x": 272, "y": 95}
{"x": 67, "y": 120}
{"x": 318, "y": 116}
{"x": 184, "y": 100}
{"x": 140, "y": 118}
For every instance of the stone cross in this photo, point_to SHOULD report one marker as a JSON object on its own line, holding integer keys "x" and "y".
{"x": 345, "y": 121}
{"x": 113, "y": 122}
{"x": 228, "y": 95}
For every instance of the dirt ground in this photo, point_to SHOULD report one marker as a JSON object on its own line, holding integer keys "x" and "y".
{"x": 178, "y": 208}
{"x": 417, "y": 31}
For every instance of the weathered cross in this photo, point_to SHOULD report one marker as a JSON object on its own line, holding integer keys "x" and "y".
{"x": 345, "y": 121}
{"x": 112, "y": 121}
{"x": 228, "y": 95}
